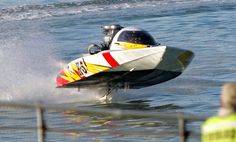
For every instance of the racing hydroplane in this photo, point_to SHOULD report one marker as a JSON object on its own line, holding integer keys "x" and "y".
{"x": 128, "y": 58}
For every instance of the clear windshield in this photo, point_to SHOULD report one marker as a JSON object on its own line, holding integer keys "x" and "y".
{"x": 138, "y": 37}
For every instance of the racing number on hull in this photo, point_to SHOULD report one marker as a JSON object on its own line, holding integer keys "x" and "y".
{"x": 82, "y": 67}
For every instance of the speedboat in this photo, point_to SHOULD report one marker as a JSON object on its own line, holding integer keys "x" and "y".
{"x": 130, "y": 58}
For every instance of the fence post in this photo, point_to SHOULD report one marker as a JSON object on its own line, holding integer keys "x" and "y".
{"x": 183, "y": 133}
{"x": 40, "y": 124}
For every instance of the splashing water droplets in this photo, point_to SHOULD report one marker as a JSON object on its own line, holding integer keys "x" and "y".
{"x": 29, "y": 69}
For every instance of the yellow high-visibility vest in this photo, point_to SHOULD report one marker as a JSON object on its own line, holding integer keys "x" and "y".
{"x": 219, "y": 129}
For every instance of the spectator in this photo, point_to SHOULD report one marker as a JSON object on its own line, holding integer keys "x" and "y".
{"x": 222, "y": 128}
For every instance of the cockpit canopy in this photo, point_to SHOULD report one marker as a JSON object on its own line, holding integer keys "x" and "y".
{"x": 137, "y": 37}
{"x": 132, "y": 38}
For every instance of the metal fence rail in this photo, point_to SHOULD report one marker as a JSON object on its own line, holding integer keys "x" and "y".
{"x": 41, "y": 127}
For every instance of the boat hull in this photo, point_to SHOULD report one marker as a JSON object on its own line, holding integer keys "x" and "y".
{"x": 133, "y": 68}
{"x": 121, "y": 79}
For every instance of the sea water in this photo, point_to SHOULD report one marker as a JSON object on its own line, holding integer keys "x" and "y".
{"x": 39, "y": 37}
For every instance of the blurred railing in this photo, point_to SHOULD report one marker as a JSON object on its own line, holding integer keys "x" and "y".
{"x": 41, "y": 127}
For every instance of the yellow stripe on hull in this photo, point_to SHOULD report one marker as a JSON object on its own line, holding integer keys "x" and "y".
{"x": 133, "y": 46}
{"x": 73, "y": 76}
{"x": 96, "y": 68}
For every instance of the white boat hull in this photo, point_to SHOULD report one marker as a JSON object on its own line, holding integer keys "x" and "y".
{"x": 133, "y": 68}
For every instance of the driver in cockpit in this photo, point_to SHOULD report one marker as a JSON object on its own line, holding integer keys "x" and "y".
{"x": 109, "y": 32}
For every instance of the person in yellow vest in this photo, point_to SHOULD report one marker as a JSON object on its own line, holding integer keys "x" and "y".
{"x": 222, "y": 128}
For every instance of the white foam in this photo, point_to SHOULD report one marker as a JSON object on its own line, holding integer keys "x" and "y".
{"x": 28, "y": 69}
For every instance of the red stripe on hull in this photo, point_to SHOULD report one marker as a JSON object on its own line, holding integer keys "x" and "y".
{"x": 61, "y": 82}
{"x": 110, "y": 59}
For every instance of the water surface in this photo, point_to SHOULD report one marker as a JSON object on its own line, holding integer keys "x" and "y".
{"x": 38, "y": 37}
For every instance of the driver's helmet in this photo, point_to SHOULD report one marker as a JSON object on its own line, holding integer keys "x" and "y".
{"x": 109, "y": 32}
{"x": 132, "y": 38}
